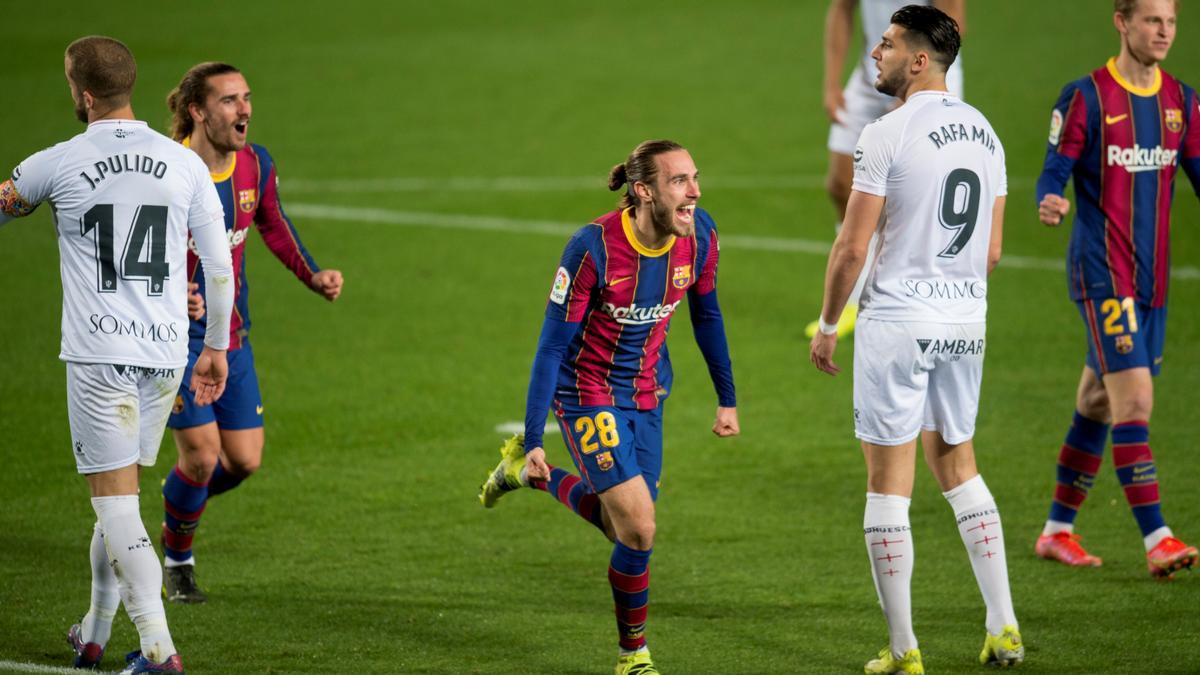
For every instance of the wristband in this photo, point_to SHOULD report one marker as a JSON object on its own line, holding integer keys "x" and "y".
{"x": 826, "y": 328}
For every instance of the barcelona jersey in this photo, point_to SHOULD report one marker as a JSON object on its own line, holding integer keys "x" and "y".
{"x": 1123, "y": 145}
{"x": 249, "y": 192}
{"x": 623, "y": 295}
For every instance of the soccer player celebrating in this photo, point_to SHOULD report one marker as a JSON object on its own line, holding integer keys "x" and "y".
{"x": 859, "y": 103}
{"x": 602, "y": 360}
{"x": 222, "y": 443}
{"x": 1122, "y": 132}
{"x": 934, "y": 170}
{"x": 124, "y": 198}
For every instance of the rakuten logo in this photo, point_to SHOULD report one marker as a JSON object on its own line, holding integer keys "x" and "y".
{"x": 1138, "y": 159}
{"x": 636, "y": 316}
{"x": 236, "y": 238}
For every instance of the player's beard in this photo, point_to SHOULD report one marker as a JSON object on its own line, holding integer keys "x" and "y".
{"x": 892, "y": 83}
{"x": 663, "y": 219}
{"x": 81, "y": 112}
{"x": 224, "y": 144}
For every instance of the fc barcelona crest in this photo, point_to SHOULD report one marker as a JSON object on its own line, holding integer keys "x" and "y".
{"x": 605, "y": 461}
{"x": 680, "y": 276}
{"x": 1124, "y": 344}
{"x": 1173, "y": 117}
{"x": 247, "y": 200}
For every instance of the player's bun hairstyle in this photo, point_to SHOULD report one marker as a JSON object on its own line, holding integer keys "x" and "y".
{"x": 639, "y": 167}
{"x": 931, "y": 28}
{"x": 1125, "y": 7}
{"x": 104, "y": 68}
{"x": 193, "y": 88}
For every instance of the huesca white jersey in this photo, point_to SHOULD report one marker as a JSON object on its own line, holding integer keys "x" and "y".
{"x": 124, "y": 197}
{"x": 940, "y": 167}
{"x": 876, "y": 16}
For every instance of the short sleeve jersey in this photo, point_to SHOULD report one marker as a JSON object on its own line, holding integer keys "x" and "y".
{"x": 124, "y": 197}
{"x": 940, "y": 167}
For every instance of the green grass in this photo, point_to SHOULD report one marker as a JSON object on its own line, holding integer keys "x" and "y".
{"x": 359, "y": 547}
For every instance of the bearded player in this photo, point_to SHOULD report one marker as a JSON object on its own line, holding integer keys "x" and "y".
{"x": 220, "y": 445}
{"x": 602, "y": 366}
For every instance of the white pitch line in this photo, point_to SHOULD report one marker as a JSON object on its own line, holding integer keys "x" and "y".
{"x": 462, "y": 221}
{"x": 549, "y": 183}
{"x": 510, "y": 428}
{"x": 16, "y": 666}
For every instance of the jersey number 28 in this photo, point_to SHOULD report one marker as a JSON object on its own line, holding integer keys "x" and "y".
{"x": 149, "y": 231}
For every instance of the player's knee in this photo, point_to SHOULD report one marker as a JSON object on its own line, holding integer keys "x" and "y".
{"x": 197, "y": 460}
{"x": 641, "y": 536}
{"x": 243, "y": 466}
{"x": 1136, "y": 406}
{"x": 1093, "y": 404}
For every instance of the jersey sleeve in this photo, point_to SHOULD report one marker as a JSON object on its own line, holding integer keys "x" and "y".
{"x": 206, "y": 221}
{"x": 1190, "y": 150}
{"x": 275, "y": 227}
{"x": 1067, "y": 141}
{"x": 576, "y": 279}
{"x": 708, "y": 324}
{"x": 873, "y": 160}
{"x": 29, "y": 185}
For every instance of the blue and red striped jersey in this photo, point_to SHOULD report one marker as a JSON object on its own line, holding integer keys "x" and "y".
{"x": 624, "y": 295}
{"x": 1123, "y": 145}
{"x": 249, "y": 192}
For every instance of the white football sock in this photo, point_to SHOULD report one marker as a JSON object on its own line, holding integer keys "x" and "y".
{"x": 97, "y": 623}
{"x": 889, "y": 544}
{"x": 138, "y": 573}
{"x": 979, "y": 526}
{"x": 1055, "y": 526}
{"x": 1151, "y": 540}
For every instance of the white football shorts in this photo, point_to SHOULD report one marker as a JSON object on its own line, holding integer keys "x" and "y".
{"x": 910, "y": 376}
{"x": 118, "y": 413}
{"x": 863, "y": 105}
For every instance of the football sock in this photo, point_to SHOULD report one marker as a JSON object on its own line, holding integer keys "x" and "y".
{"x": 979, "y": 526}
{"x": 889, "y": 544}
{"x": 1138, "y": 476}
{"x": 574, "y": 494}
{"x": 223, "y": 480}
{"x": 183, "y": 503}
{"x": 629, "y": 574}
{"x": 136, "y": 567}
{"x": 1078, "y": 463}
{"x": 97, "y": 623}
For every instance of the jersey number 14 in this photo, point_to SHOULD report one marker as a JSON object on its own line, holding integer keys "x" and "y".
{"x": 149, "y": 231}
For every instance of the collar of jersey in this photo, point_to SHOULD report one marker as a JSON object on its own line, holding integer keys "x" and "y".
{"x": 137, "y": 122}
{"x": 1152, "y": 90}
{"x": 216, "y": 177}
{"x": 637, "y": 245}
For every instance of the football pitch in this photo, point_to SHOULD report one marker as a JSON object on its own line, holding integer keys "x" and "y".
{"x": 440, "y": 154}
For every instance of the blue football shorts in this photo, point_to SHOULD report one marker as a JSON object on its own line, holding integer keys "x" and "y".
{"x": 240, "y": 407}
{"x": 612, "y": 445}
{"x": 1123, "y": 333}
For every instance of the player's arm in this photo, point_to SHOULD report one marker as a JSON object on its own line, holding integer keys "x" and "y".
{"x": 283, "y": 240}
{"x": 1190, "y": 147}
{"x": 708, "y": 324}
{"x": 206, "y": 220}
{"x": 570, "y": 296}
{"x": 955, "y": 9}
{"x": 1068, "y": 139}
{"x": 995, "y": 244}
{"x": 29, "y": 185}
{"x": 839, "y": 26}
{"x": 846, "y": 261}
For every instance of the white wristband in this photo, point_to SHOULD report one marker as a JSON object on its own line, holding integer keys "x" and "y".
{"x": 826, "y": 328}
